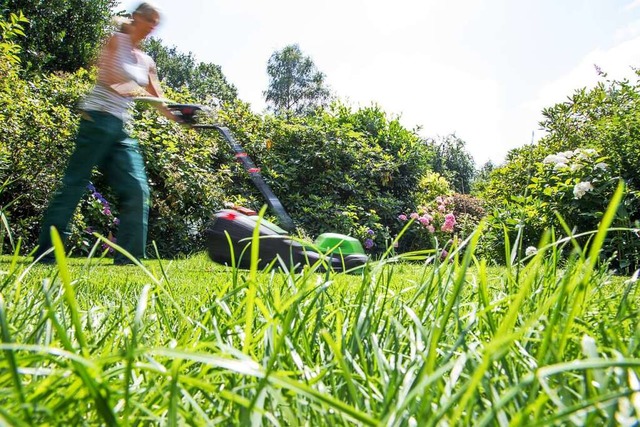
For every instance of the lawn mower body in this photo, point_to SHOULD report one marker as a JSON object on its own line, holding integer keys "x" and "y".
{"x": 229, "y": 234}
{"x": 229, "y": 237}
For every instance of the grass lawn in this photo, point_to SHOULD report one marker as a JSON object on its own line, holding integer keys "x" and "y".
{"x": 189, "y": 342}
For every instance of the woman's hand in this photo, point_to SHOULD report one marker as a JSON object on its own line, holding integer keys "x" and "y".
{"x": 129, "y": 89}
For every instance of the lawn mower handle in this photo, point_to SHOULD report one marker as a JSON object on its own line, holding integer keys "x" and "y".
{"x": 254, "y": 173}
{"x": 188, "y": 114}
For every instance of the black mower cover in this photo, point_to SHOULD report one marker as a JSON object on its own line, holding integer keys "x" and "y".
{"x": 230, "y": 229}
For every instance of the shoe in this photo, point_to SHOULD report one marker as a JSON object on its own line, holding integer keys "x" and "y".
{"x": 47, "y": 259}
{"x": 123, "y": 261}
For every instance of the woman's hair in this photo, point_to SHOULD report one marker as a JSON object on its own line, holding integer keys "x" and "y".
{"x": 146, "y": 9}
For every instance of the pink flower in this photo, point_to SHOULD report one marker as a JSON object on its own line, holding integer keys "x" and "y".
{"x": 402, "y": 217}
{"x": 447, "y": 227}
{"x": 431, "y": 229}
{"x": 424, "y": 221}
{"x": 450, "y": 218}
{"x": 442, "y": 208}
{"x": 414, "y": 215}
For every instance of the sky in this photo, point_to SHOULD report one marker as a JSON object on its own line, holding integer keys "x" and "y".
{"x": 482, "y": 69}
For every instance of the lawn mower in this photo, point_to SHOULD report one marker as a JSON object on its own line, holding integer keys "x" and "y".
{"x": 229, "y": 232}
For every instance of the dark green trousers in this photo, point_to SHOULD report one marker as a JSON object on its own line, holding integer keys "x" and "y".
{"x": 102, "y": 142}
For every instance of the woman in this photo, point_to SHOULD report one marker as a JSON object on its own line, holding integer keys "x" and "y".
{"x": 124, "y": 71}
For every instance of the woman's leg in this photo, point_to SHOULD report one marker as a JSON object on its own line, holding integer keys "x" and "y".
{"x": 92, "y": 145}
{"x": 126, "y": 175}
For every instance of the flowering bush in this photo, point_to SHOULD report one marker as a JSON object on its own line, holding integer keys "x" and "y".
{"x": 374, "y": 236}
{"x": 433, "y": 225}
{"x": 577, "y": 185}
{"x": 94, "y": 215}
{"x": 584, "y": 184}
{"x": 468, "y": 211}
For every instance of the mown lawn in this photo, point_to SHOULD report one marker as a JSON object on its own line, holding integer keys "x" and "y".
{"x": 404, "y": 343}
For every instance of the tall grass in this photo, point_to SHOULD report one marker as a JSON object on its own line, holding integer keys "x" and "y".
{"x": 402, "y": 344}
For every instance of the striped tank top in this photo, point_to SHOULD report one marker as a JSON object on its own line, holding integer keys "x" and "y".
{"x": 128, "y": 64}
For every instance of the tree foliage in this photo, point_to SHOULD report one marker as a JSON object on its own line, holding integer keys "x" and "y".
{"x": 10, "y": 30}
{"x": 295, "y": 84}
{"x": 178, "y": 70}
{"x": 453, "y": 162}
{"x": 61, "y": 35}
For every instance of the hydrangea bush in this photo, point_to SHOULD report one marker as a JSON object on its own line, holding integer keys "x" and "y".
{"x": 575, "y": 185}
{"x": 433, "y": 225}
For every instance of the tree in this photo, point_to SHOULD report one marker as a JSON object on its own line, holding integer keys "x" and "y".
{"x": 295, "y": 85}
{"x": 207, "y": 80}
{"x": 482, "y": 177}
{"x": 62, "y": 35}
{"x": 179, "y": 70}
{"x": 453, "y": 162}
{"x": 174, "y": 67}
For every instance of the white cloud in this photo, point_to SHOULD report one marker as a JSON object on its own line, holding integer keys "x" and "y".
{"x": 628, "y": 32}
{"x": 633, "y": 5}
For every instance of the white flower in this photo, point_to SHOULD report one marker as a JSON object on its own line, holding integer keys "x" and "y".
{"x": 581, "y": 188}
{"x": 531, "y": 250}
{"x": 601, "y": 165}
{"x": 559, "y": 165}
{"x": 555, "y": 158}
{"x": 567, "y": 154}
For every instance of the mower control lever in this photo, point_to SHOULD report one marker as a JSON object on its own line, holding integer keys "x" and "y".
{"x": 187, "y": 112}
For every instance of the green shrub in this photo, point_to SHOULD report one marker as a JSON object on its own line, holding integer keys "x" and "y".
{"x": 10, "y": 30}
{"x": 188, "y": 180}
{"x": 338, "y": 170}
{"x": 430, "y": 186}
{"x": 526, "y": 193}
{"x": 38, "y": 127}
{"x": 568, "y": 189}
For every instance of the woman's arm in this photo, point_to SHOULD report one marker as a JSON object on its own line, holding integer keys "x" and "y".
{"x": 154, "y": 89}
